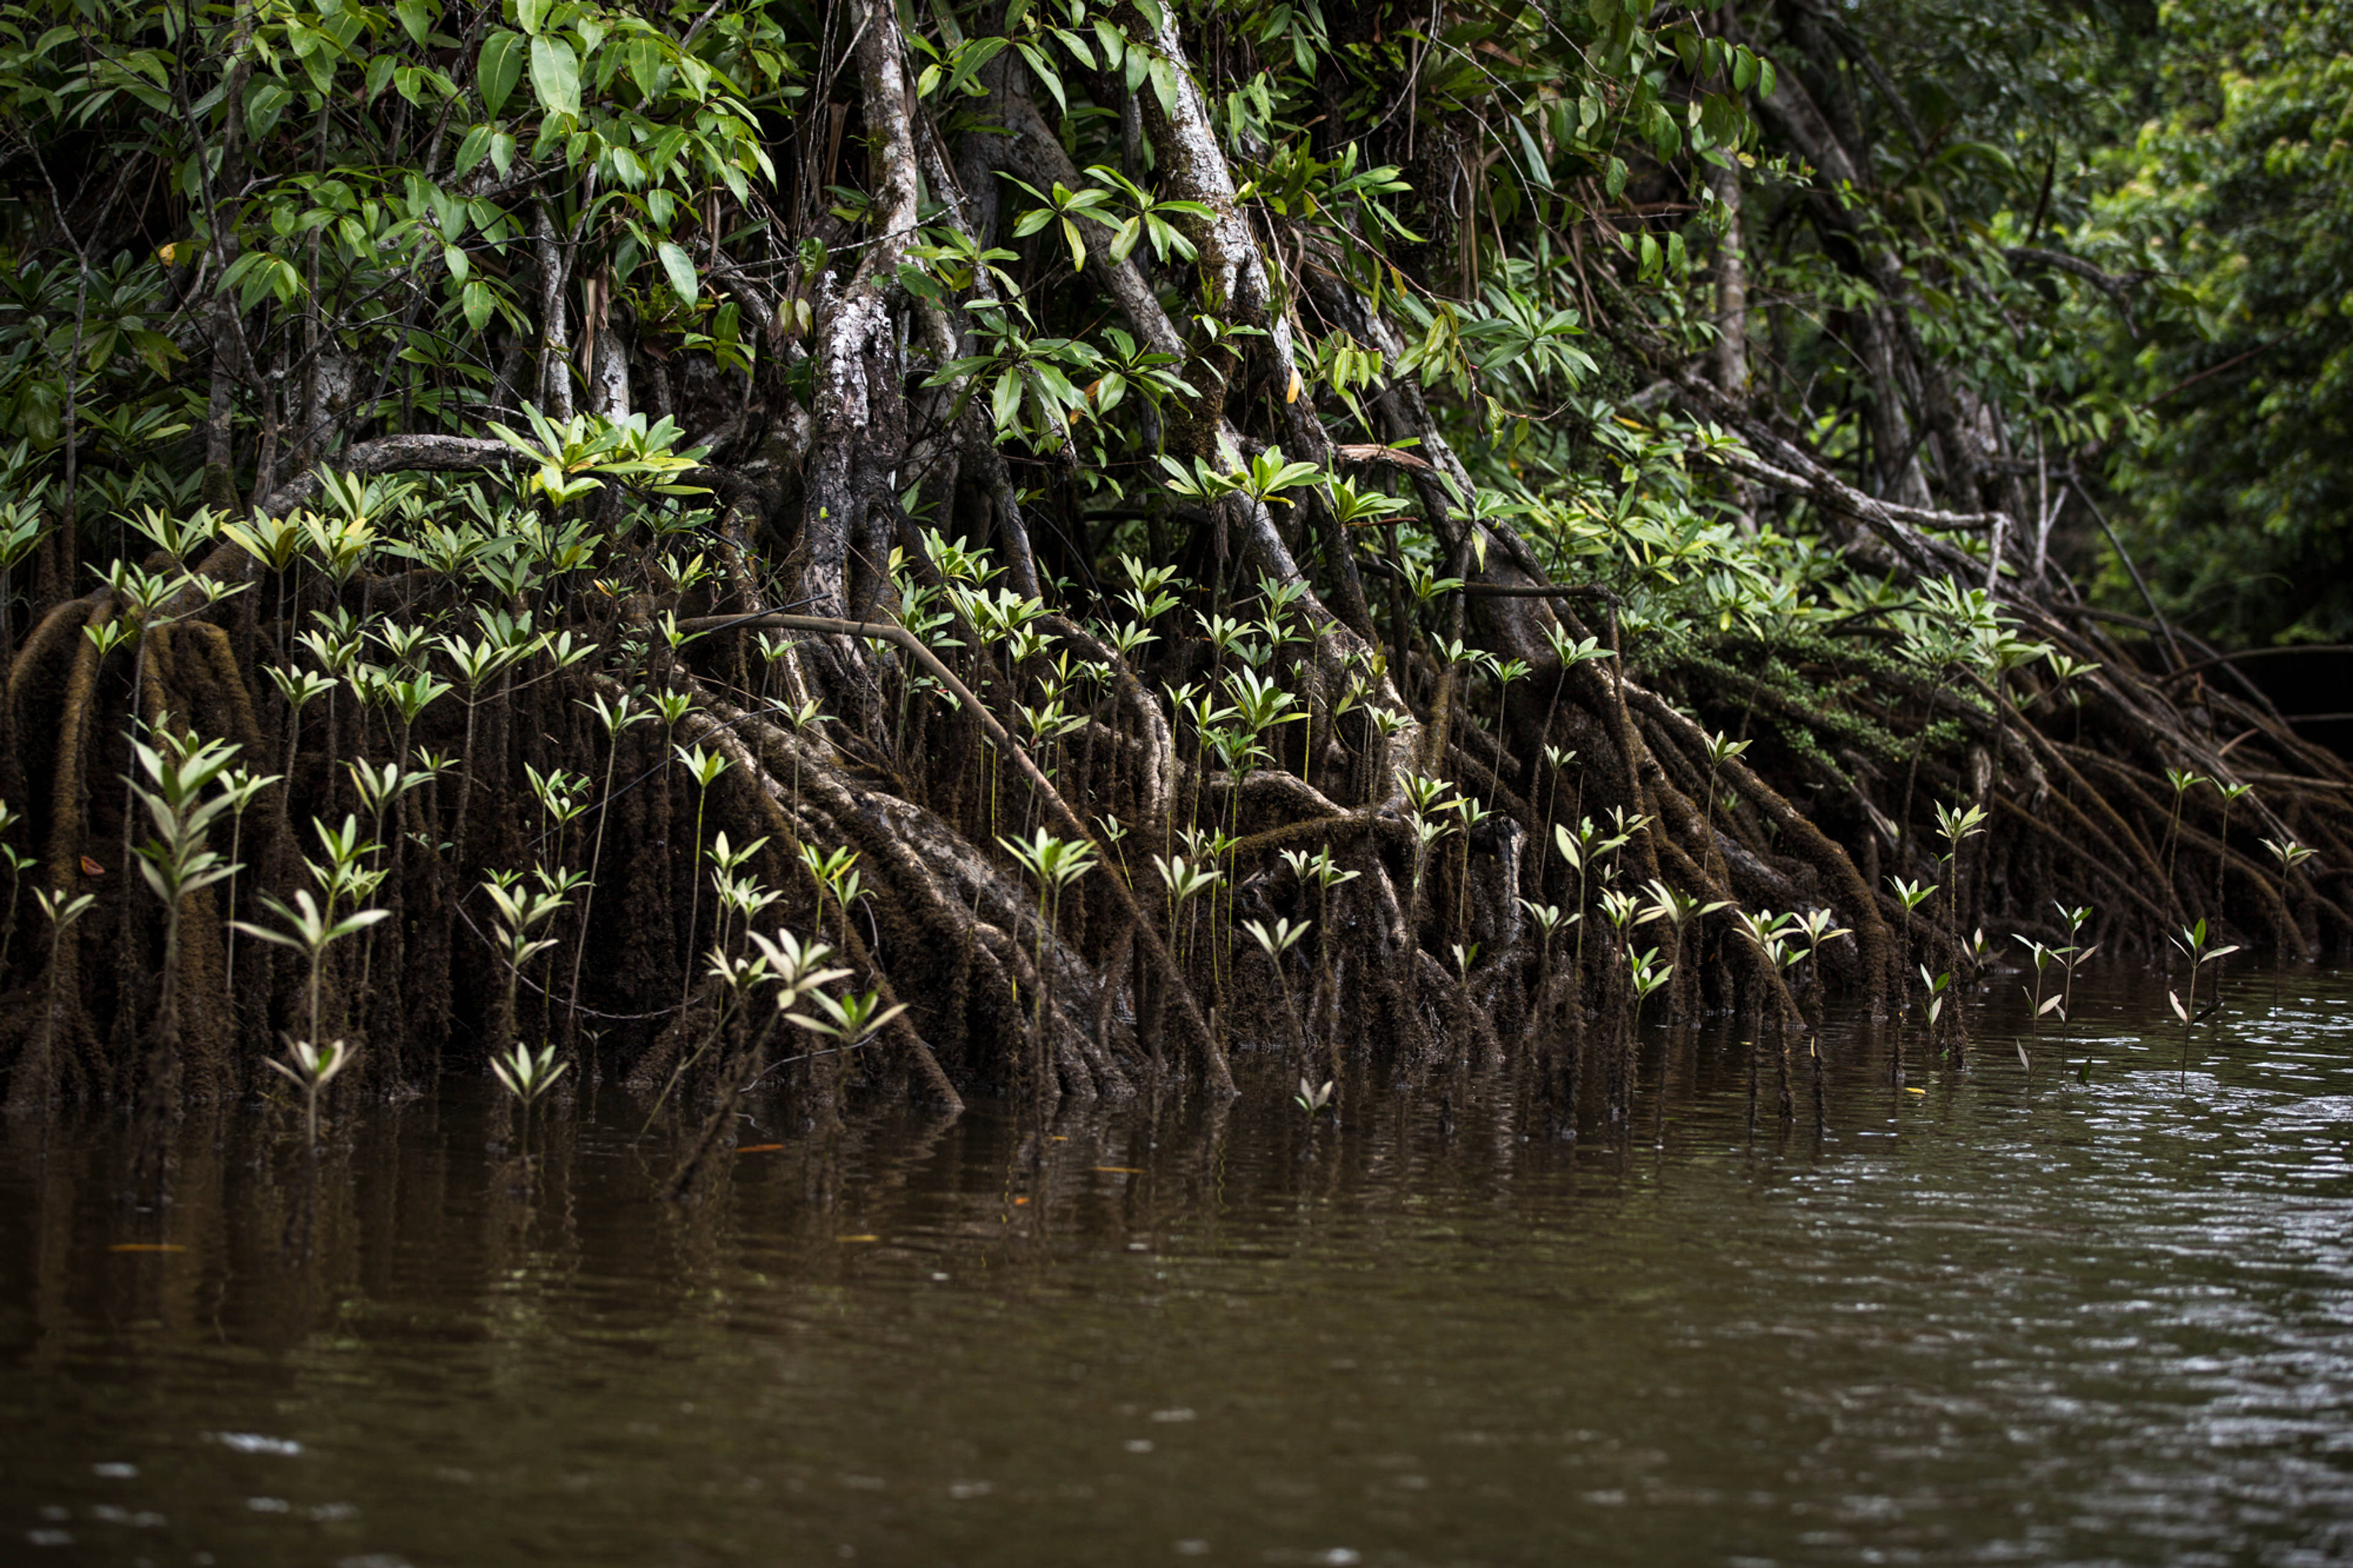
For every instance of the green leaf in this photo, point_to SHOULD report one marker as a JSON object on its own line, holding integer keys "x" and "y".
{"x": 968, "y": 61}
{"x": 1539, "y": 170}
{"x": 317, "y": 51}
{"x": 679, "y": 269}
{"x": 498, "y": 68}
{"x": 1614, "y": 182}
{"x": 262, "y": 110}
{"x": 645, "y": 66}
{"x": 1112, "y": 40}
{"x": 473, "y": 149}
{"x": 1005, "y": 402}
{"x": 1045, "y": 72}
{"x": 475, "y": 300}
{"x": 1164, "y": 84}
{"x": 555, "y": 76}
{"x": 920, "y": 284}
{"x": 415, "y": 20}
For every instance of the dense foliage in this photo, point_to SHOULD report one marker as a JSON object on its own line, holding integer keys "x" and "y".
{"x": 2232, "y": 182}
{"x": 1063, "y": 540}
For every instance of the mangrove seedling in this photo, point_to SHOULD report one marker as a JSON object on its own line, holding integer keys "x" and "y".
{"x": 1911, "y": 896}
{"x": 1326, "y": 874}
{"x": 242, "y": 787}
{"x": 1721, "y": 750}
{"x": 524, "y": 1076}
{"x": 737, "y": 892}
{"x": 1677, "y": 908}
{"x": 2232, "y": 793}
{"x": 299, "y": 688}
{"x": 1933, "y": 989}
{"x": 1957, "y": 827}
{"x": 614, "y": 717}
{"x": 561, "y": 796}
{"x": 1184, "y": 882}
{"x": 1548, "y": 921}
{"x": 2193, "y": 943}
{"x": 1274, "y": 942}
{"x": 380, "y": 788}
{"x": 1115, "y": 833}
{"x": 2290, "y": 854}
{"x": 18, "y": 864}
{"x": 2181, "y": 1010}
{"x": 310, "y": 931}
{"x": 705, "y": 768}
{"x": 1767, "y": 931}
{"x": 848, "y": 1021}
{"x": 61, "y": 911}
{"x": 311, "y": 1069}
{"x": 1622, "y": 910}
{"x": 2073, "y": 955}
{"x": 345, "y": 875}
{"x": 2183, "y": 781}
{"x": 1646, "y": 975}
{"x": 1054, "y": 864}
{"x": 1472, "y": 813}
{"x": 796, "y": 967}
{"x": 1279, "y": 938}
{"x": 1506, "y": 671}
{"x": 520, "y": 912}
{"x": 2043, "y": 957}
{"x": 178, "y": 861}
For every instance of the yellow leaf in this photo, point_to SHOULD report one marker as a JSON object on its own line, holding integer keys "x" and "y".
{"x": 1290, "y": 394}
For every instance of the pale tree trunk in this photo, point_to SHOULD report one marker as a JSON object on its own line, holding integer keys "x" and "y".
{"x": 229, "y": 361}
{"x": 1732, "y": 316}
{"x": 607, "y": 359}
{"x": 555, "y": 389}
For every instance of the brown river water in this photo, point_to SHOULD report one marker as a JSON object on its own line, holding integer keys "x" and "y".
{"x": 2003, "y": 1321}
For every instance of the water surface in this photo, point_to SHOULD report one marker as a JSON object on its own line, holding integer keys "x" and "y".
{"x": 2000, "y": 1320}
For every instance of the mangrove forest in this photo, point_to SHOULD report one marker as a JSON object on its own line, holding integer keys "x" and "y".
{"x": 815, "y": 553}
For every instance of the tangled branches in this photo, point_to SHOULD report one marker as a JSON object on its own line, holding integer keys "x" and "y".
{"x": 1237, "y": 647}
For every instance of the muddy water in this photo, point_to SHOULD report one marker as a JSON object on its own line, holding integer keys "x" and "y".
{"x": 2000, "y": 1320}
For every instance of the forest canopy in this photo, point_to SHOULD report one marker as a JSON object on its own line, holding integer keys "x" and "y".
{"x": 1132, "y": 532}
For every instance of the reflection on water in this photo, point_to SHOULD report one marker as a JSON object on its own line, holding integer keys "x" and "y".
{"x": 1992, "y": 1322}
